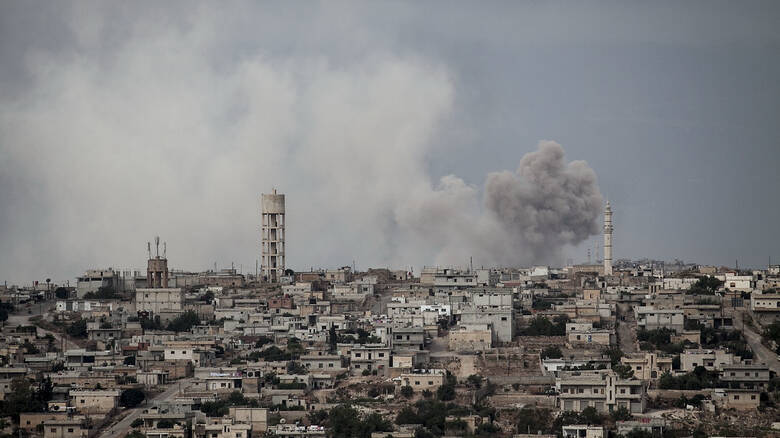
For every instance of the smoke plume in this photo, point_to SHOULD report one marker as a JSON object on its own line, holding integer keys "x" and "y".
{"x": 547, "y": 203}
{"x": 165, "y": 130}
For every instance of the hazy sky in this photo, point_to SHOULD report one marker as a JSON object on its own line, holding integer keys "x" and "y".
{"x": 381, "y": 121}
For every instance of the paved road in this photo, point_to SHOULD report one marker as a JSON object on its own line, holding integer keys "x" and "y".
{"x": 762, "y": 353}
{"x": 121, "y": 428}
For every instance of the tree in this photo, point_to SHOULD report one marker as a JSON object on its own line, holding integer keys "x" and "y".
{"x": 407, "y": 415}
{"x": 61, "y": 293}
{"x": 621, "y": 414}
{"x": 407, "y": 391}
{"x": 332, "y": 338}
{"x": 592, "y": 416}
{"x": 474, "y": 380}
{"x": 623, "y": 371}
{"x": 184, "y": 322}
{"x": 533, "y": 420}
{"x": 77, "y": 329}
{"x": 614, "y": 354}
{"x": 164, "y": 424}
{"x": 137, "y": 423}
{"x": 135, "y": 434}
{"x": 131, "y": 398}
{"x": 552, "y": 352}
{"x": 706, "y": 285}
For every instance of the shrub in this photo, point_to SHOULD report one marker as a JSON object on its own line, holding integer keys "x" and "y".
{"x": 407, "y": 391}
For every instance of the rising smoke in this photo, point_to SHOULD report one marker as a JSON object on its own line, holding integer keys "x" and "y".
{"x": 115, "y": 140}
{"x": 546, "y": 204}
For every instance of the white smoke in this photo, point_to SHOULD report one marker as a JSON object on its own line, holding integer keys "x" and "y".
{"x": 161, "y": 136}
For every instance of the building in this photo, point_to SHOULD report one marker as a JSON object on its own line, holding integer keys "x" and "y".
{"x": 650, "y": 318}
{"x": 421, "y": 380}
{"x": 765, "y": 307}
{"x": 94, "y": 402}
{"x": 65, "y": 428}
{"x": 745, "y": 376}
{"x": 470, "y": 338}
{"x": 500, "y": 320}
{"x": 582, "y": 431}
{"x": 647, "y": 366}
{"x": 601, "y": 390}
{"x": 157, "y": 297}
{"x": 712, "y": 360}
{"x": 273, "y": 237}
{"x": 608, "y": 240}
{"x": 95, "y": 279}
{"x": 738, "y": 399}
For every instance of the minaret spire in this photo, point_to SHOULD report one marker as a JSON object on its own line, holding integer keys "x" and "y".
{"x": 608, "y": 239}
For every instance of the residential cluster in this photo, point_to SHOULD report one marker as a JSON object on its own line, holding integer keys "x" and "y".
{"x": 623, "y": 348}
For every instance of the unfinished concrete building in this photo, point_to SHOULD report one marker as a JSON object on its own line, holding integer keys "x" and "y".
{"x": 273, "y": 237}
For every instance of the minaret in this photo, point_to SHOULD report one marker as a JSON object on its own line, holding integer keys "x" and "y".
{"x": 608, "y": 240}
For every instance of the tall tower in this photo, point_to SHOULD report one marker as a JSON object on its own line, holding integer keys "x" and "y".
{"x": 608, "y": 240}
{"x": 156, "y": 267}
{"x": 272, "y": 252}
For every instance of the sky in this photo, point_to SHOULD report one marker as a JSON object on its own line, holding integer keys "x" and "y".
{"x": 389, "y": 126}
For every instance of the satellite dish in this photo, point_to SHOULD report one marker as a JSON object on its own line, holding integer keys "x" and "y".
{"x": 282, "y": 421}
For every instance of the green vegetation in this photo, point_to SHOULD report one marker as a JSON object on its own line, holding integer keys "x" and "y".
{"x": 346, "y": 422}
{"x": 729, "y": 339}
{"x": 552, "y": 352}
{"x": 5, "y": 309}
{"x": 184, "y": 322}
{"x": 407, "y": 391}
{"x": 541, "y": 326}
{"x": 61, "y": 293}
{"x": 221, "y": 408}
{"x": 23, "y": 397}
{"x": 131, "y": 398}
{"x": 699, "y": 378}
{"x": 661, "y": 339}
{"x": 77, "y": 329}
{"x": 431, "y": 414}
{"x": 103, "y": 293}
{"x": 706, "y": 285}
{"x": 446, "y": 392}
{"x": 137, "y": 423}
{"x": 772, "y": 333}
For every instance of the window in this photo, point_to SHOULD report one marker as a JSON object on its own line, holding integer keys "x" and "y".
{"x": 736, "y": 397}
{"x": 70, "y": 430}
{"x": 752, "y": 397}
{"x": 330, "y": 365}
{"x": 53, "y": 430}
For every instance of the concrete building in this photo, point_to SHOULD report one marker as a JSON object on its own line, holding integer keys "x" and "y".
{"x": 500, "y": 320}
{"x": 745, "y": 376}
{"x": 94, "y": 402}
{"x": 738, "y": 399}
{"x": 647, "y": 366}
{"x": 650, "y": 318}
{"x": 421, "y": 380}
{"x": 94, "y": 279}
{"x": 582, "y": 431}
{"x": 712, "y": 360}
{"x": 65, "y": 428}
{"x": 608, "y": 240}
{"x": 273, "y": 237}
{"x": 470, "y": 338}
{"x": 601, "y": 390}
{"x": 157, "y": 297}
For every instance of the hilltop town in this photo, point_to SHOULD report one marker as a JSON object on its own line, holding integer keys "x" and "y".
{"x": 623, "y": 348}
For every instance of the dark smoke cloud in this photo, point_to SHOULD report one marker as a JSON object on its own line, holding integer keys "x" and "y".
{"x": 546, "y": 204}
